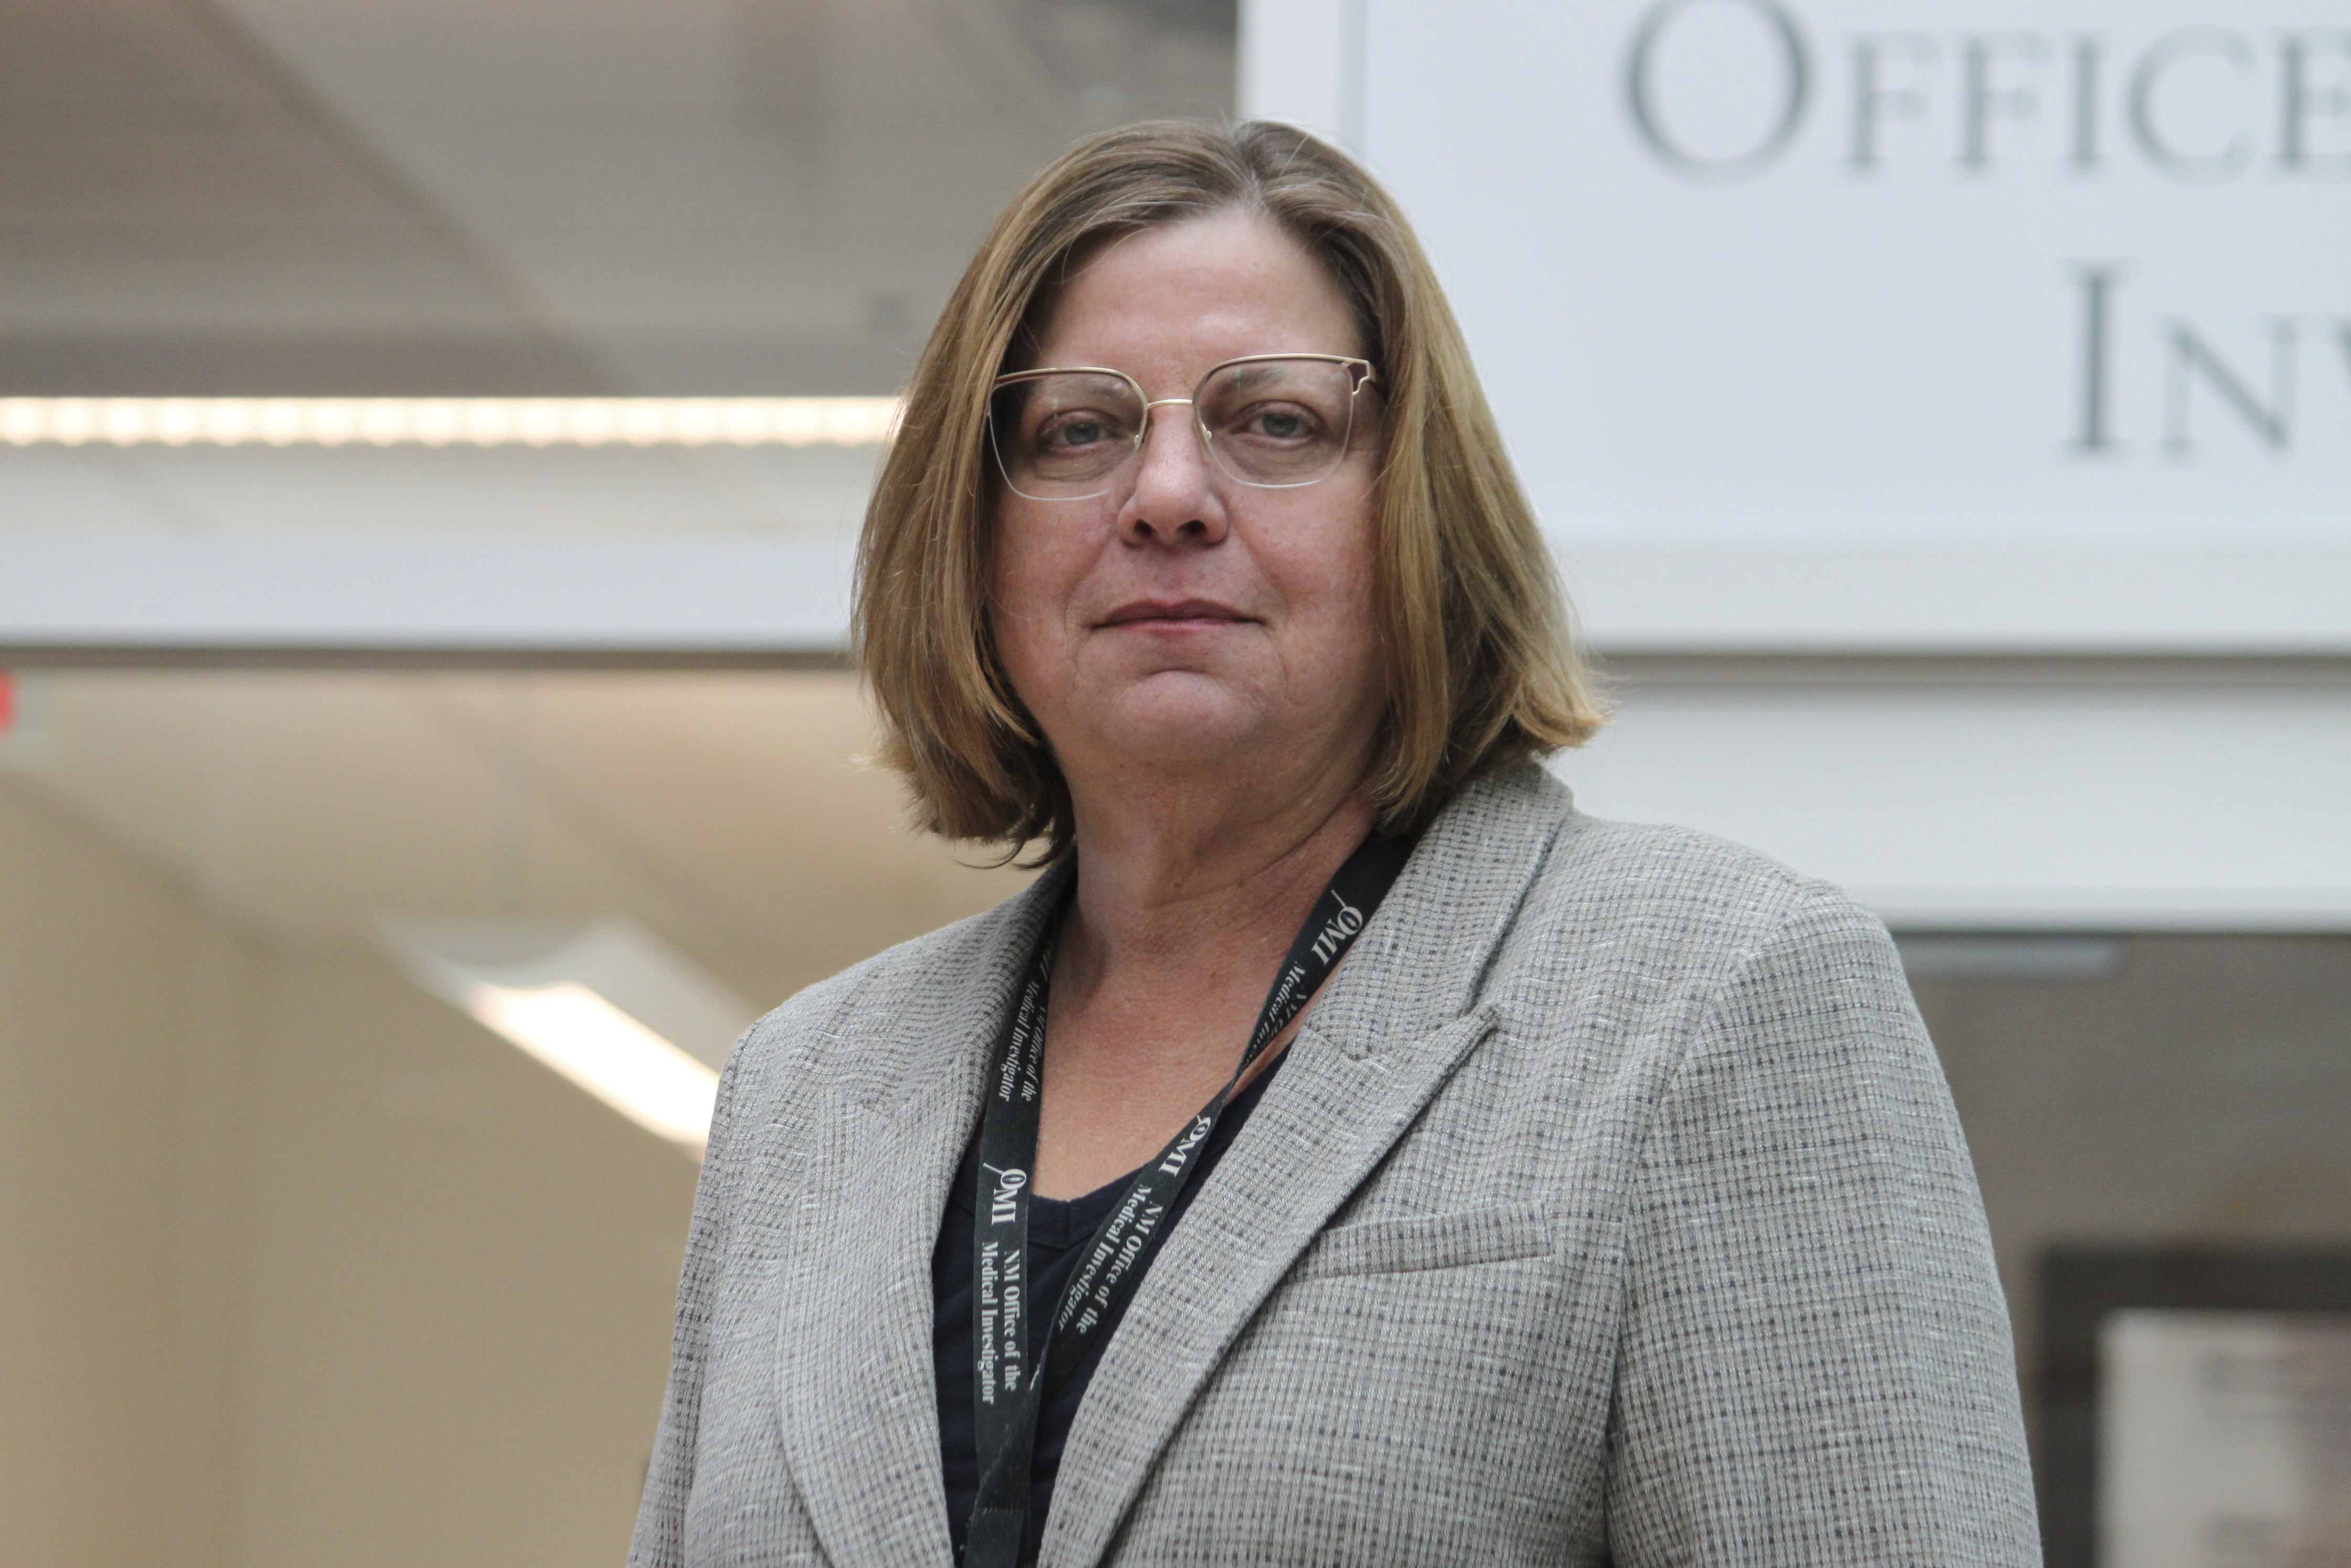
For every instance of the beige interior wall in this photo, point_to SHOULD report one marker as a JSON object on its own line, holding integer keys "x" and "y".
{"x": 458, "y": 1291}
{"x": 120, "y": 1010}
{"x": 299, "y": 1265}
{"x": 296, "y": 1264}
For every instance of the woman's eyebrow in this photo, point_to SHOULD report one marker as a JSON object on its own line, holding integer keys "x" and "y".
{"x": 1248, "y": 376}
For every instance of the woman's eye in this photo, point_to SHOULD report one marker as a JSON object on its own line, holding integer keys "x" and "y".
{"x": 1072, "y": 432}
{"x": 1277, "y": 423}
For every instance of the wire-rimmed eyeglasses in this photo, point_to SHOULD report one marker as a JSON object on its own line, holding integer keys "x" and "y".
{"x": 1271, "y": 421}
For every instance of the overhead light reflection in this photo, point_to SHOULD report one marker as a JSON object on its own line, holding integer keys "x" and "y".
{"x": 605, "y": 1052}
{"x": 603, "y": 1002}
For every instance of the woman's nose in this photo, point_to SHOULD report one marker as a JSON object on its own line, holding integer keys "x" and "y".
{"x": 1175, "y": 497}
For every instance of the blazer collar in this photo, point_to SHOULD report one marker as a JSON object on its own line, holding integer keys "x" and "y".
{"x": 1392, "y": 1025}
{"x": 1423, "y": 960}
{"x": 856, "y": 1397}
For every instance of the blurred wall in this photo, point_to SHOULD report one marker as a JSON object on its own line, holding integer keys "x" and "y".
{"x": 119, "y": 1051}
{"x": 297, "y": 1265}
{"x": 456, "y": 1291}
{"x": 2196, "y": 1095}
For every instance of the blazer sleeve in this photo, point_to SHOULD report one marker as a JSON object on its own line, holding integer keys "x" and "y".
{"x": 1816, "y": 1364}
{"x": 660, "y": 1538}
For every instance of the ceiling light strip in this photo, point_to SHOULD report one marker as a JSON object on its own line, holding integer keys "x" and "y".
{"x": 448, "y": 421}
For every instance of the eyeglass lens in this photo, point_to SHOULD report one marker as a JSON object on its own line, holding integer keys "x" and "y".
{"x": 1274, "y": 423}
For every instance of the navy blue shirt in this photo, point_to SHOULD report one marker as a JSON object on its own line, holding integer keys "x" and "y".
{"x": 1058, "y": 1233}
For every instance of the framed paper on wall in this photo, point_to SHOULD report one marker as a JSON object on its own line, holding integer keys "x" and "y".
{"x": 2196, "y": 1408}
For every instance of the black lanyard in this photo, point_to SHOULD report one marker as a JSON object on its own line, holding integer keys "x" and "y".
{"x": 1010, "y": 1367}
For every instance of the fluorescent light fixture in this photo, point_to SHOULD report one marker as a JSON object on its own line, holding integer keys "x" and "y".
{"x": 449, "y": 421}
{"x": 603, "y": 1002}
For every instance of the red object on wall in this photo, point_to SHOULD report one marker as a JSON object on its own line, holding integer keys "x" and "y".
{"x": 7, "y": 702}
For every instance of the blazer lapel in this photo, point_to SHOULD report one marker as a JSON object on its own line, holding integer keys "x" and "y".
{"x": 1393, "y": 1024}
{"x": 856, "y": 1392}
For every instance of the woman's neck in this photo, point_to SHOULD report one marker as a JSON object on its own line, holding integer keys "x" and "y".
{"x": 1181, "y": 879}
{"x": 1186, "y": 899}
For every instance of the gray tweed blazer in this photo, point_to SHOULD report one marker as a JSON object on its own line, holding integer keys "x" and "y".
{"x": 1610, "y": 1208}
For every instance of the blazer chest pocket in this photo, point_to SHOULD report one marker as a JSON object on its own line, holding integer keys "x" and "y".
{"x": 1497, "y": 1234}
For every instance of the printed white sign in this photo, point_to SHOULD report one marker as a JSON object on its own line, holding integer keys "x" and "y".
{"x": 2224, "y": 1441}
{"x": 2072, "y": 272}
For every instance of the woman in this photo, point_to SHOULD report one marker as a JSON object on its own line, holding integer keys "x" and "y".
{"x": 1604, "y": 1204}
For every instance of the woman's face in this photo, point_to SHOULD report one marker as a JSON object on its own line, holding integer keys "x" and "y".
{"x": 1185, "y": 618}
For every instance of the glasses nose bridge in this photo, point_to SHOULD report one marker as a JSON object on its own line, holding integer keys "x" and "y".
{"x": 1143, "y": 437}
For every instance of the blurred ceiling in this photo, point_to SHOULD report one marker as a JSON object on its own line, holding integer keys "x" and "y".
{"x": 730, "y": 813}
{"x": 511, "y": 196}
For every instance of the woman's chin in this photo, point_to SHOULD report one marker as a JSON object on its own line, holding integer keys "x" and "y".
{"x": 1182, "y": 725}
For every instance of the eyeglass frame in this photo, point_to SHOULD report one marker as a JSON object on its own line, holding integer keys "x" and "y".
{"x": 1369, "y": 376}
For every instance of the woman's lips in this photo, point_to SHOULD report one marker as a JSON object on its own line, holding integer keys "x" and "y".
{"x": 1173, "y": 614}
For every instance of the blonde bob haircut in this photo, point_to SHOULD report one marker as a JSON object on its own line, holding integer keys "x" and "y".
{"x": 1474, "y": 628}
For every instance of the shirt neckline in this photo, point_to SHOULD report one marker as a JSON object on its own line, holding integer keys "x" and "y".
{"x": 1062, "y": 1222}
